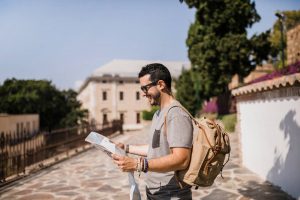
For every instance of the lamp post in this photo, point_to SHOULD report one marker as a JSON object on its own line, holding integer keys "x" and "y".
{"x": 281, "y": 18}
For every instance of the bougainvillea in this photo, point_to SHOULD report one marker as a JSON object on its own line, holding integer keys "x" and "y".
{"x": 291, "y": 69}
{"x": 210, "y": 106}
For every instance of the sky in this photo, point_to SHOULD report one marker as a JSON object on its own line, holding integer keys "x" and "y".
{"x": 66, "y": 40}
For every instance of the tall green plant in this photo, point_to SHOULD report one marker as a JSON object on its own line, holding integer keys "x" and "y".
{"x": 218, "y": 47}
{"x": 187, "y": 92}
{"x": 291, "y": 19}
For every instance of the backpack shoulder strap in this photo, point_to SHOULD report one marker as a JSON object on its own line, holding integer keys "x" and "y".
{"x": 165, "y": 118}
{"x": 185, "y": 110}
{"x": 193, "y": 119}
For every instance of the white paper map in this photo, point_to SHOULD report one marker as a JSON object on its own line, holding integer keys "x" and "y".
{"x": 103, "y": 143}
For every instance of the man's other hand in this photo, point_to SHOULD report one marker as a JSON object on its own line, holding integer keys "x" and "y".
{"x": 125, "y": 163}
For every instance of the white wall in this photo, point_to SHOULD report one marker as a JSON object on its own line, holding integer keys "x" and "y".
{"x": 270, "y": 140}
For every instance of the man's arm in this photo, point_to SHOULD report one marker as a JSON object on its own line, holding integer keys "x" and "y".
{"x": 140, "y": 150}
{"x": 179, "y": 159}
{"x": 137, "y": 149}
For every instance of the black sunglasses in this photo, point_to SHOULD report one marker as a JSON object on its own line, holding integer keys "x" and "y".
{"x": 145, "y": 88}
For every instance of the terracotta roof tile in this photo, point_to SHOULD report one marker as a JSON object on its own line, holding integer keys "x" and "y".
{"x": 283, "y": 81}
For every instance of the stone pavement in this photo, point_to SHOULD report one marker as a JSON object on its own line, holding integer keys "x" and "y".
{"x": 92, "y": 175}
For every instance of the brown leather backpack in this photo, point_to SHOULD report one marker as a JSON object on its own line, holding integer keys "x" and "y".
{"x": 210, "y": 147}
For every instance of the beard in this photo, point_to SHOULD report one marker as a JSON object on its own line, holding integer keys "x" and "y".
{"x": 154, "y": 100}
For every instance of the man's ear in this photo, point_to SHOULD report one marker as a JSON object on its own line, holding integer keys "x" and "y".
{"x": 161, "y": 84}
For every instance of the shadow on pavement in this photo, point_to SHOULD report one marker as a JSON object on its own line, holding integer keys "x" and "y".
{"x": 263, "y": 191}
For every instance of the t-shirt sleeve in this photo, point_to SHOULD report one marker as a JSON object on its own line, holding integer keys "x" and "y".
{"x": 180, "y": 130}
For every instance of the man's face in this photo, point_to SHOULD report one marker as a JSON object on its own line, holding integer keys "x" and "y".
{"x": 150, "y": 90}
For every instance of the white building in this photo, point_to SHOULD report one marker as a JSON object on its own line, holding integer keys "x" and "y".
{"x": 113, "y": 92}
{"x": 269, "y": 126}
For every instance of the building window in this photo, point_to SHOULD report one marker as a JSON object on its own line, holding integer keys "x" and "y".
{"x": 122, "y": 117}
{"x": 121, "y": 96}
{"x": 138, "y": 118}
{"x": 121, "y": 82}
{"x": 137, "y": 95}
{"x": 104, "y": 95}
{"x": 105, "y": 121}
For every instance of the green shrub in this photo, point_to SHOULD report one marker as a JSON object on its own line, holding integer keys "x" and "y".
{"x": 148, "y": 115}
{"x": 229, "y": 121}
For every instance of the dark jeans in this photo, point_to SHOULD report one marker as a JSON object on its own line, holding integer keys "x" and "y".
{"x": 170, "y": 193}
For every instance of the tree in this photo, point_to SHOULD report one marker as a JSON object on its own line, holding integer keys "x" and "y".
{"x": 186, "y": 92}
{"x": 75, "y": 114}
{"x": 56, "y": 109}
{"x": 292, "y": 18}
{"x": 218, "y": 47}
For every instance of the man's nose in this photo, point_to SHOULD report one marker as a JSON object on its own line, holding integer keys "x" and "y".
{"x": 145, "y": 93}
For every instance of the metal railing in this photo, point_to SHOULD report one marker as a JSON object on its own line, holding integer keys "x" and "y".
{"x": 20, "y": 150}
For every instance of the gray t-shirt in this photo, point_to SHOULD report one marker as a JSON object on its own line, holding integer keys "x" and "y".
{"x": 179, "y": 134}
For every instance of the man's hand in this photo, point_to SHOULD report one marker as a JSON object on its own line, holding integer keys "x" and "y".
{"x": 120, "y": 145}
{"x": 125, "y": 163}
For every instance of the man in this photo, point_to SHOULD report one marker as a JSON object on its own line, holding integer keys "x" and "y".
{"x": 170, "y": 142}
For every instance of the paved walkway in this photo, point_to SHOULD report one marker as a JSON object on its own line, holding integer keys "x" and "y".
{"x": 92, "y": 175}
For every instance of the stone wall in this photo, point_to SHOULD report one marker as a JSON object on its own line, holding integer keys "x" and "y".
{"x": 293, "y": 45}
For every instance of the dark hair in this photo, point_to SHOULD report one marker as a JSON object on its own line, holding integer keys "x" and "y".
{"x": 157, "y": 72}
